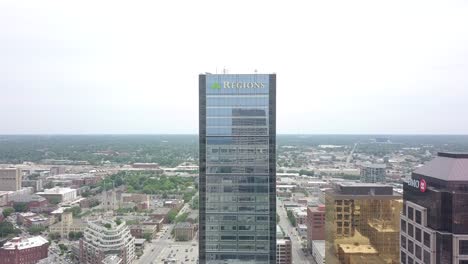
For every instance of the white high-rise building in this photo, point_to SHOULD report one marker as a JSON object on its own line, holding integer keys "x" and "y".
{"x": 107, "y": 237}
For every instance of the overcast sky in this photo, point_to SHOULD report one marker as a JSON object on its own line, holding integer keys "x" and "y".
{"x": 132, "y": 67}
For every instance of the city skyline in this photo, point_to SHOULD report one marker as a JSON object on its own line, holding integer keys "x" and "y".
{"x": 351, "y": 68}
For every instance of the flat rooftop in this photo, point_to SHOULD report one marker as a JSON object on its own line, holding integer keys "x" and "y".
{"x": 447, "y": 166}
{"x": 24, "y": 243}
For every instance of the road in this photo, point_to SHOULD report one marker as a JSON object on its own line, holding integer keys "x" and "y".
{"x": 350, "y": 156}
{"x": 298, "y": 255}
{"x": 160, "y": 248}
{"x": 153, "y": 249}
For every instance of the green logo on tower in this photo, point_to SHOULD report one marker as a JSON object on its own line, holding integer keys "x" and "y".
{"x": 215, "y": 86}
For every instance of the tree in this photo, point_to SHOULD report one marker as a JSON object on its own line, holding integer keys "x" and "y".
{"x": 54, "y": 200}
{"x": 75, "y": 235}
{"x": 195, "y": 203}
{"x": 7, "y": 228}
{"x": 35, "y": 230}
{"x": 54, "y": 236}
{"x": 8, "y": 211}
{"x": 63, "y": 248}
{"x": 291, "y": 218}
{"x": 171, "y": 216}
{"x": 181, "y": 218}
{"x": 148, "y": 236}
{"x": 20, "y": 207}
{"x": 76, "y": 210}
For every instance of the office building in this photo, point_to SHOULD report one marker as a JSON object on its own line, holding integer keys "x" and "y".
{"x": 283, "y": 251}
{"x": 57, "y": 194}
{"x": 434, "y": 221}
{"x": 107, "y": 237}
{"x": 363, "y": 223}
{"x": 373, "y": 173}
{"x": 315, "y": 224}
{"x": 24, "y": 250}
{"x": 237, "y": 168}
{"x": 10, "y": 179}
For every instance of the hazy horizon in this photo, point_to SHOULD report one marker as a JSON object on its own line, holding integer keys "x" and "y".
{"x": 360, "y": 67}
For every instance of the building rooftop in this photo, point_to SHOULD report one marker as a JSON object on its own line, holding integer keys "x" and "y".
{"x": 183, "y": 225}
{"x": 57, "y": 190}
{"x": 24, "y": 243}
{"x": 320, "y": 245}
{"x": 374, "y": 165}
{"x": 353, "y": 249}
{"x": 283, "y": 241}
{"x": 447, "y": 166}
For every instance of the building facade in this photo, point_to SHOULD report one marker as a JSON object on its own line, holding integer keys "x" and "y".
{"x": 318, "y": 251}
{"x": 373, "y": 173}
{"x": 67, "y": 225}
{"x": 59, "y": 194}
{"x": 362, "y": 223}
{"x": 10, "y": 179}
{"x": 237, "y": 168}
{"x": 434, "y": 221}
{"x": 284, "y": 251}
{"x": 107, "y": 237}
{"x": 24, "y": 250}
{"x": 315, "y": 224}
{"x": 184, "y": 231}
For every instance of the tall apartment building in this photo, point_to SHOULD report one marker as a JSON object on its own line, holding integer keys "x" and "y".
{"x": 283, "y": 251}
{"x": 237, "y": 168}
{"x": 434, "y": 221}
{"x": 373, "y": 173}
{"x": 363, "y": 223}
{"x": 24, "y": 250}
{"x": 10, "y": 179}
{"x": 106, "y": 237}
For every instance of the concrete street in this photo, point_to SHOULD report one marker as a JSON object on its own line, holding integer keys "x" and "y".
{"x": 298, "y": 256}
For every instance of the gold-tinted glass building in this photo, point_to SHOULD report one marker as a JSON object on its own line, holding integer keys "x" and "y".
{"x": 362, "y": 224}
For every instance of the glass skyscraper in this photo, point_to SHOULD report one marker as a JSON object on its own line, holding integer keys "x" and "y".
{"x": 237, "y": 168}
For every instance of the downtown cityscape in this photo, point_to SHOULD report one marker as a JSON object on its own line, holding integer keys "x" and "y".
{"x": 233, "y": 132}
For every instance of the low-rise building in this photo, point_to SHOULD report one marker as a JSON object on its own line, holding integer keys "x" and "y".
{"x": 174, "y": 203}
{"x": 184, "y": 231}
{"x": 59, "y": 194}
{"x": 24, "y": 250}
{"x": 318, "y": 251}
{"x": 140, "y": 230}
{"x": 302, "y": 230}
{"x": 30, "y": 219}
{"x": 67, "y": 224}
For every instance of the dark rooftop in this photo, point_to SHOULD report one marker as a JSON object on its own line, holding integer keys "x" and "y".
{"x": 447, "y": 166}
{"x": 455, "y": 155}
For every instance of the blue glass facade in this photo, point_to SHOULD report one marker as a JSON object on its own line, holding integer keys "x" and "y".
{"x": 237, "y": 168}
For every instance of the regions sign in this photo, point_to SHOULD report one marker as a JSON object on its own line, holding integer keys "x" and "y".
{"x": 238, "y": 85}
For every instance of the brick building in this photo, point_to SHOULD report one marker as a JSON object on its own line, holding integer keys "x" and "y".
{"x": 24, "y": 250}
